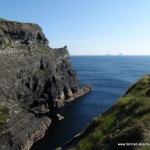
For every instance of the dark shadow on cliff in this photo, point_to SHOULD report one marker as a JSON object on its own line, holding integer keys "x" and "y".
{"x": 45, "y": 139}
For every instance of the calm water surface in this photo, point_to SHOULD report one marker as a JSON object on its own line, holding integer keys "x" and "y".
{"x": 110, "y": 77}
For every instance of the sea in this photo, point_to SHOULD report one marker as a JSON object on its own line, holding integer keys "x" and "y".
{"x": 110, "y": 77}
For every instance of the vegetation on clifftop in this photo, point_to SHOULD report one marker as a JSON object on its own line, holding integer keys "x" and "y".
{"x": 40, "y": 72}
{"x": 127, "y": 121}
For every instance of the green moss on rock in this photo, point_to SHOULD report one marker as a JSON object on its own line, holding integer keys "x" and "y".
{"x": 44, "y": 49}
{"x": 40, "y": 72}
{"x": 3, "y": 115}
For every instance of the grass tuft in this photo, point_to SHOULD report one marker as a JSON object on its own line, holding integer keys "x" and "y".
{"x": 3, "y": 115}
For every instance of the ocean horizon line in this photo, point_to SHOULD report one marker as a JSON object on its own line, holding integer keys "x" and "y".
{"x": 111, "y": 55}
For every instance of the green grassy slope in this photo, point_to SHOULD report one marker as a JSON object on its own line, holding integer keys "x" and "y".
{"x": 127, "y": 121}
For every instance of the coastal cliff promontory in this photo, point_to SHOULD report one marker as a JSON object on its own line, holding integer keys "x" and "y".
{"x": 34, "y": 79}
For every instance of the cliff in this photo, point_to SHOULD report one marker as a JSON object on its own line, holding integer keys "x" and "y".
{"x": 34, "y": 79}
{"x": 125, "y": 126}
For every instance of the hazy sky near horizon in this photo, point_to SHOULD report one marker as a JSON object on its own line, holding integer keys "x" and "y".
{"x": 88, "y": 27}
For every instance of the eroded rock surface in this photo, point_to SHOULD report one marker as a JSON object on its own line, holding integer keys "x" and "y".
{"x": 34, "y": 79}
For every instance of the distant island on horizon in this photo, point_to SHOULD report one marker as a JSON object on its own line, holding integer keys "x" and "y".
{"x": 120, "y": 54}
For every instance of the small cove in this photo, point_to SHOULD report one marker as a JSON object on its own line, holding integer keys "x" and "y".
{"x": 110, "y": 77}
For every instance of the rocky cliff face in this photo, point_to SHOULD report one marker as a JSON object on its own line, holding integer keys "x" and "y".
{"x": 34, "y": 78}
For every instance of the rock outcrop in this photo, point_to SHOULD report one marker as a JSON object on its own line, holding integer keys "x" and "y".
{"x": 34, "y": 79}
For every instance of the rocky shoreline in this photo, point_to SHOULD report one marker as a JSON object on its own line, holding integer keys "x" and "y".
{"x": 85, "y": 89}
{"x": 39, "y": 133}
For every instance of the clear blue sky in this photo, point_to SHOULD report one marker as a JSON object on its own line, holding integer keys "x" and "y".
{"x": 88, "y": 27}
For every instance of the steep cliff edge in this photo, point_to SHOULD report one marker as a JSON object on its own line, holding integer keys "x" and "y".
{"x": 34, "y": 79}
{"x": 125, "y": 126}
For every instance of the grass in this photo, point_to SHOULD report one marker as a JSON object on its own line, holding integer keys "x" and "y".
{"x": 40, "y": 72}
{"x": 15, "y": 25}
{"x": 2, "y": 64}
{"x": 126, "y": 121}
{"x": 3, "y": 115}
{"x": 1, "y": 19}
{"x": 44, "y": 49}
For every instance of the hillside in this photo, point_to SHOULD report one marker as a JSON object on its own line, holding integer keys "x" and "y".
{"x": 126, "y": 123}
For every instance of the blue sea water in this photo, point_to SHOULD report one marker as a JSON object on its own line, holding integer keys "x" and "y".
{"x": 110, "y": 77}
